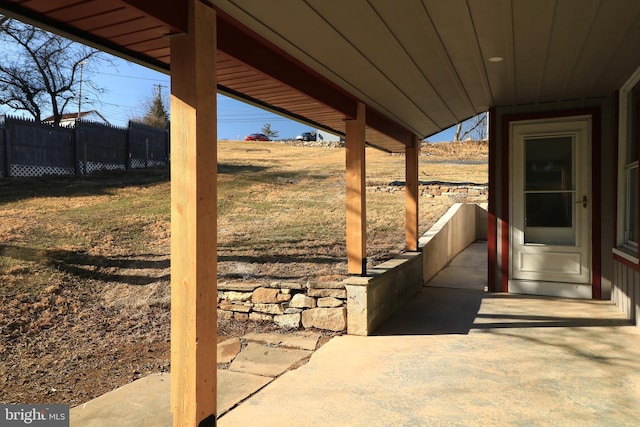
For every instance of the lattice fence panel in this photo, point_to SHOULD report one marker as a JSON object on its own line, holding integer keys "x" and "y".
{"x": 137, "y": 164}
{"x": 30, "y": 170}
{"x": 96, "y": 167}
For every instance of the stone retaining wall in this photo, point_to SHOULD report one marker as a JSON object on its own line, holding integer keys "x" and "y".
{"x": 469, "y": 192}
{"x": 323, "y": 305}
{"x": 287, "y": 304}
{"x": 456, "y": 192}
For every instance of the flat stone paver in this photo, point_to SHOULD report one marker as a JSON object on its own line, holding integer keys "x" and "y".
{"x": 141, "y": 403}
{"x": 146, "y": 402}
{"x": 234, "y": 387}
{"x": 266, "y": 361}
{"x": 302, "y": 340}
{"x": 228, "y": 350}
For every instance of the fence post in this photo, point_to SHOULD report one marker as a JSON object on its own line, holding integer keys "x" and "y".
{"x": 7, "y": 173}
{"x": 146, "y": 153}
{"x": 167, "y": 145}
{"x": 76, "y": 149}
{"x": 84, "y": 157}
{"x": 127, "y": 148}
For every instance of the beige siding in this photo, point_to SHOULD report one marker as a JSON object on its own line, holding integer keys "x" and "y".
{"x": 626, "y": 291}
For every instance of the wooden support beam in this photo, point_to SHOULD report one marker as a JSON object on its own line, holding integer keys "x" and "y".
{"x": 492, "y": 230}
{"x": 172, "y": 13}
{"x": 356, "y": 194}
{"x": 411, "y": 194}
{"x": 193, "y": 220}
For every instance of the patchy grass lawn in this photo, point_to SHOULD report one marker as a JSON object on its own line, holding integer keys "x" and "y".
{"x": 84, "y": 263}
{"x": 282, "y": 207}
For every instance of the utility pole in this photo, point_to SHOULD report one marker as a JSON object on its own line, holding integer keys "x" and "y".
{"x": 159, "y": 87}
{"x": 80, "y": 94}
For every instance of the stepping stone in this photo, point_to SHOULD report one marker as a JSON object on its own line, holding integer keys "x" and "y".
{"x": 304, "y": 341}
{"x": 144, "y": 402}
{"x": 234, "y": 387}
{"x": 266, "y": 361}
{"x": 228, "y": 350}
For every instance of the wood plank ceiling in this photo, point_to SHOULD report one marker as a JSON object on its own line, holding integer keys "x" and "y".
{"x": 419, "y": 65}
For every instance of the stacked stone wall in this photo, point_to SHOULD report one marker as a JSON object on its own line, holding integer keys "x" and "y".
{"x": 472, "y": 193}
{"x": 455, "y": 192}
{"x": 289, "y": 305}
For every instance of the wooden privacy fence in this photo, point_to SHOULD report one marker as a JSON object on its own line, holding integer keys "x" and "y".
{"x": 28, "y": 148}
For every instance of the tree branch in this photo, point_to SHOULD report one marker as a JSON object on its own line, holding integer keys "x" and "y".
{"x": 42, "y": 68}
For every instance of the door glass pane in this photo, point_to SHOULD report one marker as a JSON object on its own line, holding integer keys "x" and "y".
{"x": 549, "y": 194}
{"x": 549, "y": 164}
{"x": 549, "y": 210}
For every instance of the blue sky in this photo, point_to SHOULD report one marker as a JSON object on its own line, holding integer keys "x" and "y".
{"x": 128, "y": 85}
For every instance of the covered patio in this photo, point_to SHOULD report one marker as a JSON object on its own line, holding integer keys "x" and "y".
{"x": 559, "y": 79}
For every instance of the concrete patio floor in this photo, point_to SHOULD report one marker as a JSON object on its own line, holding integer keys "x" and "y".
{"x": 453, "y": 355}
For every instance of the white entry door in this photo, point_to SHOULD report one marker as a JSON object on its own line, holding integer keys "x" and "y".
{"x": 551, "y": 201}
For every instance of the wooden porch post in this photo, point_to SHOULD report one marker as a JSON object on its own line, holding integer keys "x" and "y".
{"x": 356, "y": 197}
{"x": 193, "y": 219}
{"x": 411, "y": 194}
{"x": 492, "y": 230}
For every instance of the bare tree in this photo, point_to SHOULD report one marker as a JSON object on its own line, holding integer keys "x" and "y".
{"x": 42, "y": 72}
{"x": 474, "y": 128}
{"x": 456, "y": 136}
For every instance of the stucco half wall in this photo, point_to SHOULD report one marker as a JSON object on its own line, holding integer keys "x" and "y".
{"x": 372, "y": 299}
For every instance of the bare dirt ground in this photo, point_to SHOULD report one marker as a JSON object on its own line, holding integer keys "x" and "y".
{"x": 84, "y": 263}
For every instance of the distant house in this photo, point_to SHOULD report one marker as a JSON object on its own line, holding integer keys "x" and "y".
{"x": 69, "y": 120}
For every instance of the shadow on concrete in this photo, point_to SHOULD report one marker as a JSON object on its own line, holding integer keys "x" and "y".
{"x": 442, "y": 311}
{"x": 507, "y": 319}
{"x": 547, "y": 322}
{"x": 455, "y": 301}
{"x": 435, "y": 311}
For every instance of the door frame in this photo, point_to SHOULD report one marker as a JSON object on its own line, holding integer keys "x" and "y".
{"x": 579, "y": 129}
{"x": 503, "y": 166}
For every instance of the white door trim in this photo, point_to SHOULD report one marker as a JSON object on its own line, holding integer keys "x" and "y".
{"x": 575, "y": 279}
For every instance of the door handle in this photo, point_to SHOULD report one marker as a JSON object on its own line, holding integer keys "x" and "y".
{"x": 583, "y": 201}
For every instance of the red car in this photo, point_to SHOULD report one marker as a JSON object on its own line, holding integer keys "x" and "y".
{"x": 256, "y": 137}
